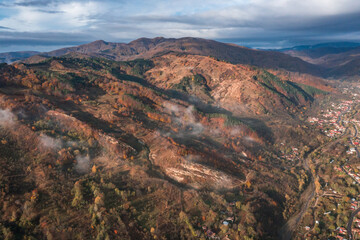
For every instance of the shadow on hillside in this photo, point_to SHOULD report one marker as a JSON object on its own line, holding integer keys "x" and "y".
{"x": 260, "y": 128}
{"x": 71, "y": 108}
{"x": 257, "y": 125}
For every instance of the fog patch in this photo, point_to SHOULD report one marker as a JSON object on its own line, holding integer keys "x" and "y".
{"x": 215, "y": 131}
{"x": 82, "y": 163}
{"x": 185, "y": 117}
{"x": 192, "y": 158}
{"x": 171, "y": 108}
{"x": 50, "y": 142}
{"x": 236, "y": 131}
{"x": 249, "y": 139}
{"x": 7, "y": 118}
{"x": 238, "y": 108}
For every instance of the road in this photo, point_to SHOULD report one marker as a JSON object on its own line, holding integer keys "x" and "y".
{"x": 290, "y": 226}
{"x": 356, "y": 130}
{"x": 286, "y": 232}
{"x": 349, "y": 226}
{"x": 307, "y": 196}
{"x": 355, "y": 135}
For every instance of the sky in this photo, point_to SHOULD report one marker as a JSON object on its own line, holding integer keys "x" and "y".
{"x": 44, "y": 25}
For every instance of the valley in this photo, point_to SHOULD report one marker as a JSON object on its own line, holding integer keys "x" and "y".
{"x": 179, "y": 145}
{"x": 179, "y": 120}
{"x": 316, "y": 218}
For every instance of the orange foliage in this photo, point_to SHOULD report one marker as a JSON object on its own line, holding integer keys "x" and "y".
{"x": 158, "y": 117}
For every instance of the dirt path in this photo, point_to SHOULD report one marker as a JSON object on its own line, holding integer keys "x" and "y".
{"x": 290, "y": 226}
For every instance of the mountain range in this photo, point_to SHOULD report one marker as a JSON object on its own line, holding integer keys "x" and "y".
{"x": 155, "y": 139}
{"x": 337, "y": 59}
{"x": 147, "y": 48}
{"x": 10, "y": 57}
{"x": 341, "y": 59}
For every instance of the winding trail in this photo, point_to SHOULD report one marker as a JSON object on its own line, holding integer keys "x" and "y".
{"x": 307, "y": 196}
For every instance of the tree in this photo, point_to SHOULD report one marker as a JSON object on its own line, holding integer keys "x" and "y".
{"x": 78, "y": 200}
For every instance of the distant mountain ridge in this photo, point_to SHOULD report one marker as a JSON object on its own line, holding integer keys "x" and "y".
{"x": 338, "y": 45}
{"x": 342, "y": 59}
{"x": 9, "y": 57}
{"x": 147, "y": 48}
{"x": 329, "y": 60}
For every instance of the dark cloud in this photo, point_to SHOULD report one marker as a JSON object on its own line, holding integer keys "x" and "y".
{"x": 35, "y": 3}
{"x": 2, "y": 27}
{"x": 50, "y": 11}
{"x": 42, "y": 39}
{"x": 255, "y": 23}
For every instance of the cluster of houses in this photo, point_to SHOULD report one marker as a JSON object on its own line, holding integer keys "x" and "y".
{"x": 330, "y": 120}
{"x": 351, "y": 91}
{"x": 355, "y": 141}
{"x": 332, "y": 124}
{"x": 293, "y": 155}
{"x": 354, "y": 204}
{"x": 350, "y": 171}
{"x": 356, "y": 230}
{"x": 352, "y": 150}
{"x": 347, "y": 169}
{"x": 341, "y": 231}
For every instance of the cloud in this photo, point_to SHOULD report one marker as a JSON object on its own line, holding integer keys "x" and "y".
{"x": 7, "y": 118}
{"x": 82, "y": 163}
{"x": 248, "y": 22}
{"x": 33, "y": 3}
{"x": 40, "y": 41}
{"x": 68, "y": 16}
{"x": 49, "y": 142}
{"x": 184, "y": 117}
{"x": 6, "y": 28}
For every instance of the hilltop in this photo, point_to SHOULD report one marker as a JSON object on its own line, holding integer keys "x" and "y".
{"x": 146, "y": 48}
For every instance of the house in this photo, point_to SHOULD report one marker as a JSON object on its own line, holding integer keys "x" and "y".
{"x": 210, "y": 234}
{"x": 341, "y": 230}
{"x": 230, "y": 219}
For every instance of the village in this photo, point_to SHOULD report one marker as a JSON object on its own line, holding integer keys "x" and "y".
{"x": 333, "y": 126}
{"x": 330, "y": 121}
{"x": 354, "y": 207}
{"x": 336, "y": 122}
